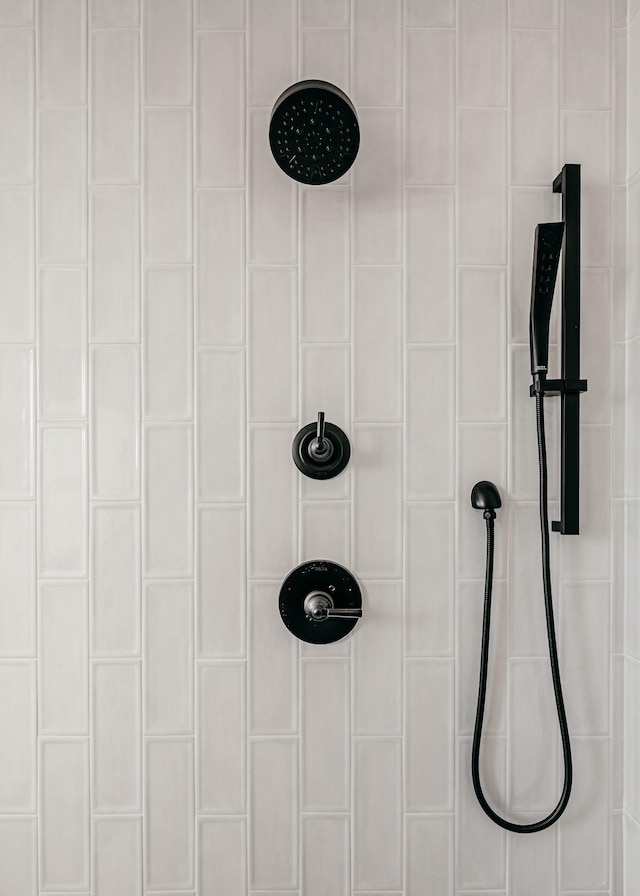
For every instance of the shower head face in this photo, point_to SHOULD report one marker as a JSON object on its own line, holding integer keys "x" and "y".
{"x": 314, "y": 133}
{"x": 546, "y": 257}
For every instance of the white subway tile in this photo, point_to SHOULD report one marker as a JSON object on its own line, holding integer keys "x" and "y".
{"x": 18, "y": 745}
{"x": 533, "y": 737}
{"x": 272, "y": 239}
{"x": 584, "y": 834}
{"x": 377, "y": 47}
{"x": 633, "y": 82}
{"x": 17, "y": 413}
{"x": 543, "y": 14}
{"x": 482, "y": 186}
{"x": 220, "y": 268}
{"x": 63, "y": 668}
{"x": 631, "y": 736}
{"x": 16, "y": 12}
{"x": 482, "y": 53}
{"x": 617, "y": 724}
{"x": 377, "y": 662}
{"x": 377, "y": 548}
{"x": 19, "y": 856}
{"x": 618, "y": 261}
{"x": 632, "y": 573}
{"x": 168, "y": 501}
{"x": 585, "y": 646}
{"x": 62, "y": 548}
{"x": 322, "y": 836}
{"x": 324, "y": 13}
{"x": 272, "y": 50}
{"x": 114, "y": 296}
{"x": 429, "y": 264}
{"x": 325, "y": 55}
{"x": 167, "y": 29}
{"x": 17, "y": 579}
{"x": 588, "y": 557}
{"x": 429, "y": 419}
{"x": 273, "y": 818}
{"x": 62, "y": 52}
{"x": 429, "y": 855}
{"x": 618, "y": 528}
{"x": 482, "y": 454}
{"x": 597, "y": 350}
{"x": 632, "y": 436}
{"x": 115, "y": 422}
{"x": 377, "y": 344}
{"x": 429, "y": 153}
{"x": 528, "y": 207}
{"x": 221, "y": 744}
{"x": 324, "y": 288}
{"x": 429, "y": 579}
{"x": 273, "y": 328}
{"x": 377, "y": 859}
{"x": 273, "y": 665}
{"x": 272, "y": 495}
{"x": 527, "y": 626}
{"x": 17, "y": 105}
{"x": 168, "y": 343}
{"x": 586, "y": 37}
{"x": 220, "y": 573}
{"x": 168, "y": 658}
{"x": 523, "y": 466}
{"x": 169, "y": 814}
{"x": 325, "y": 531}
{"x": 480, "y": 844}
{"x": 325, "y": 735}
{"x": 436, "y": 14}
{"x": 429, "y": 735}
{"x": 228, "y": 14}
{"x": 632, "y": 851}
{"x": 534, "y": 106}
{"x": 62, "y": 185}
{"x": 117, "y": 856}
{"x": 64, "y": 813}
{"x": 17, "y": 248}
{"x": 222, "y": 847}
{"x": 115, "y": 13}
{"x": 115, "y": 107}
{"x": 587, "y": 136}
{"x": 221, "y": 415}
{"x": 532, "y": 861}
{"x": 596, "y": 226}
{"x": 481, "y": 351}
{"x": 115, "y": 580}
{"x": 62, "y": 338}
{"x": 220, "y": 108}
{"x": 116, "y": 726}
{"x": 377, "y": 189}
{"x": 470, "y": 617}
{"x": 167, "y": 191}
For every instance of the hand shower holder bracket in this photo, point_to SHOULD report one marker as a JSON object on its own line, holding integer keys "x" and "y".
{"x": 570, "y": 386}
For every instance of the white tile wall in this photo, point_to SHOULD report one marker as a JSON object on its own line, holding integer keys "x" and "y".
{"x": 172, "y": 309}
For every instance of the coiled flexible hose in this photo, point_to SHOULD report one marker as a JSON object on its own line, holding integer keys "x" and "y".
{"x": 553, "y": 653}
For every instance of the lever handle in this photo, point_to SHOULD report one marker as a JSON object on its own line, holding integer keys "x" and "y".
{"x": 320, "y": 449}
{"x": 318, "y": 605}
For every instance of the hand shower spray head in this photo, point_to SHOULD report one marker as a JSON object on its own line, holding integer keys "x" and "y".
{"x": 546, "y": 255}
{"x": 485, "y": 496}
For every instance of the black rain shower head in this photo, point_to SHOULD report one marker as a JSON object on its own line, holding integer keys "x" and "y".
{"x": 314, "y": 133}
{"x": 546, "y": 255}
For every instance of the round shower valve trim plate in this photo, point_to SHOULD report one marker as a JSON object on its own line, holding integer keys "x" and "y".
{"x": 314, "y": 133}
{"x": 320, "y": 602}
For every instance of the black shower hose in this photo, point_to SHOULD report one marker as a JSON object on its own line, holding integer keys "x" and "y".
{"x": 553, "y": 653}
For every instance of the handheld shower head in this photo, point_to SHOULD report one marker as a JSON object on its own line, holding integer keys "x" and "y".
{"x": 546, "y": 255}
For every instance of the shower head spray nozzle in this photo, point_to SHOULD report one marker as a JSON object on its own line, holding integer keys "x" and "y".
{"x": 546, "y": 255}
{"x": 314, "y": 133}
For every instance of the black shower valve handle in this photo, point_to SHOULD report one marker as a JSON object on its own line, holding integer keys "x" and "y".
{"x": 321, "y": 450}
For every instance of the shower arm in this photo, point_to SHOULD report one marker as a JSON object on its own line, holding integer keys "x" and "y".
{"x": 569, "y": 386}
